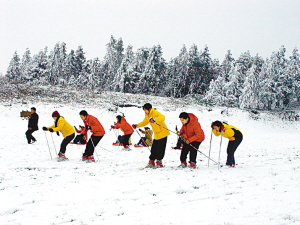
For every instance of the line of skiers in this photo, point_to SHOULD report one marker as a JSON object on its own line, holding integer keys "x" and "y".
{"x": 190, "y": 134}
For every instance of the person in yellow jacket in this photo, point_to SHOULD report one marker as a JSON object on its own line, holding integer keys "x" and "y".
{"x": 67, "y": 131}
{"x": 156, "y": 120}
{"x": 234, "y": 135}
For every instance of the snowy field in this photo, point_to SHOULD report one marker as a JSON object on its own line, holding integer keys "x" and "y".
{"x": 263, "y": 189}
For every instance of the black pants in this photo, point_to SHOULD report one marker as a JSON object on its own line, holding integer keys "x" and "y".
{"x": 79, "y": 138}
{"x": 179, "y": 143}
{"x": 92, "y": 143}
{"x": 29, "y": 135}
{"x": 65, "y": 142}
{"x": 158, "y": 149}
{"x": 126, "y": 140}
{"x": 141, "y": 142}
{"x": 232, "y": 146}
{"x": 189, "y": 149}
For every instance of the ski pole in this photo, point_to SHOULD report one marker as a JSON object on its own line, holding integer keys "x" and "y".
{"x": 183, "y": 139}
{"x": 117, "y": 138}
{"x": 220, "y": 150}
{"x": 142, "y": 139}
{"x": 54, "y": 145}
{"x": 94, "y": 147}
{"x": 48, "y": 145}
{"x": 210, "y": 147}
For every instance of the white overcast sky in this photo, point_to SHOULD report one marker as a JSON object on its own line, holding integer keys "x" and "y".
{"x": 260, "y": 26}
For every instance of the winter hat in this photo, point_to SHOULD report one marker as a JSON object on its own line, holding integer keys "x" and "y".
{"x": 55, "y": 114}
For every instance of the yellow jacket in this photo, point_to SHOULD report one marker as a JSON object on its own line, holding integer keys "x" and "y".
{"x": 226, "y": 131}
{"x": 63, "y": 126}
{"x": 159, "y": 132}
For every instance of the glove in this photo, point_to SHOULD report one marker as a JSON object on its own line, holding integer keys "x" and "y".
{"x": 45, "y": 128}
{"x": 134, "y": 126}
{"x": 51, "y": 130}
{"x": 152, "y": 120}
{"x": 140, "y": 129}
{"x": 87, "y": 127}
{"x": 113, "y": 127}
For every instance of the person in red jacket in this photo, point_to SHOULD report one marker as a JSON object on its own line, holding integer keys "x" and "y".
{"x": 93, "y": 124}
{"x": 127, "y": 129}
{"x": 192, "y": 134}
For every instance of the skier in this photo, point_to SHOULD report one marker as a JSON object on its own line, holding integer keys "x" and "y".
{"x": 192, "y": 135}
{"x": 234, "y": 135}
{"x": 127, "y": 129}
{"x": 93, "y": 124}
{"x": 156, "y": 120}
{"x": 32, "y": 126}
{"x": 147, "y": 140}
{"x": 67, "y": 131}
{"x": 81, "y": 137}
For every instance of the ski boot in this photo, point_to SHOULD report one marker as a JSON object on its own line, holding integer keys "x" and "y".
{"x": 193, "y": 165}
{"x": 159, "y": 164}
{"x": 90, "y": 159}
{"x": 84, "y": 158}
{"x": 126, "y": 148}
{"x": 151, "y": 164}
{"x": 182, "y": 165}
{"x": 62, "y": 157}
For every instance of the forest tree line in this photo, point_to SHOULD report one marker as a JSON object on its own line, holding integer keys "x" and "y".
{"x": 247, "y": 82}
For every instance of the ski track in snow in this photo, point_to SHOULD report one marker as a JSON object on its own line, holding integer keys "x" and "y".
{"x": 262, "y": 189}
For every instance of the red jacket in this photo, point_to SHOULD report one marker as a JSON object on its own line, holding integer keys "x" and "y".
{"x": 125, "y": 126}
{"x": 96, "y": 127}
{"x": 192, "y": 131}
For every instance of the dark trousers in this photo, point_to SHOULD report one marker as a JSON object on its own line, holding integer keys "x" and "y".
{"x": 92, "y": 143}
{"x": 179, "y": 143}
{"x": 29, "y": 135}
{"x": 141, "y": 142}
{"x": 79, "y": 138}
{"x": 126, "y": 140}
{"x": 232, "y": 146}
{"x": 65, "y": 142}
{"x": 158, "y": 149}
{"x": 189, "y": 149}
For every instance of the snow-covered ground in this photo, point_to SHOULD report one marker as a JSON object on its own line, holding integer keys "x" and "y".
{"x": 262, "y": 189}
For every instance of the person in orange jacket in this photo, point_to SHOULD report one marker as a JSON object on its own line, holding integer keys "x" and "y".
{"x": 161, "y": 132}
{"x": 192, "y": 134}
{"x": 127, "y": 129}
{"x": 93, "y": 124}
{"x": 67, "y": 131}
{"x": 234, "y": 135}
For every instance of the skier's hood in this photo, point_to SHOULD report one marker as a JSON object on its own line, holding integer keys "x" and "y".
{"x": 193, "y": 118}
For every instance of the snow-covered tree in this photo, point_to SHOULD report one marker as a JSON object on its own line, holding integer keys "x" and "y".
{"x": 26, "y": 66}
{"x": 123, "y": 79}
{"x": 39, "y": 67}
{"x": 13, "y": 70}
{"x": 226, "y": 65}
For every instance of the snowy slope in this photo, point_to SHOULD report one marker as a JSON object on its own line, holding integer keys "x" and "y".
{"x": 263, "y": 189}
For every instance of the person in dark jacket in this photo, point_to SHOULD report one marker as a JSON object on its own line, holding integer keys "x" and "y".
{"x": 32, "y": 126}
{"x": 192, "y": 135}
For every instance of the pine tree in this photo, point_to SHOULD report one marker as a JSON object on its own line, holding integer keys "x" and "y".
{"x": 293, "y": 70}
{"x": 71, "y": 69}
{"x": 39, "y": 67}
{"x": 26, "y": 66}
{"x": 112, "y": 61}
{"x": 249, "y": 97}
{"x": 123, "y": 79}
{"x": 226, "y": 65}
{"x": 13, "y": 71}
{"x": 194, "y": 72}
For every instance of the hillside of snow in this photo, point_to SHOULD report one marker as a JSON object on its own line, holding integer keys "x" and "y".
{"x": 262, "y": 189}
